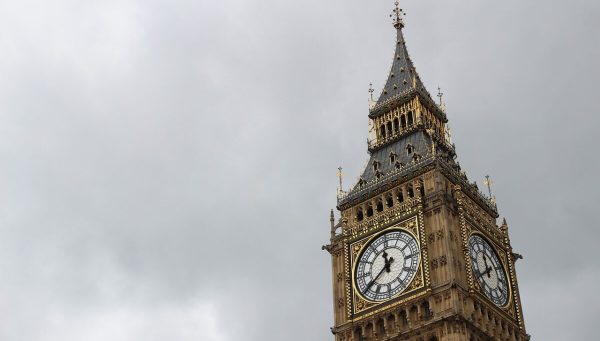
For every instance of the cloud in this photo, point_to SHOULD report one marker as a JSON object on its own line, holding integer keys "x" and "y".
{"x": 168, "y": 167}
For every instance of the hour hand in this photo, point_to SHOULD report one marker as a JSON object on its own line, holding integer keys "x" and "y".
{"x": 388, "y": 264}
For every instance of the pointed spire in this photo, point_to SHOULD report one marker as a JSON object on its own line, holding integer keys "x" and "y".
{"x": 403, "y": 78}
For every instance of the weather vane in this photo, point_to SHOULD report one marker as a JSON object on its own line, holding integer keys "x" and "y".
{"x": 371, "y": 90}
{"x": 397, "y": 14}
{"x": 440, "y": 95}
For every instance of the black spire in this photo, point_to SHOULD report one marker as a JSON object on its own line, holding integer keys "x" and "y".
{"x": 403, "y": 79}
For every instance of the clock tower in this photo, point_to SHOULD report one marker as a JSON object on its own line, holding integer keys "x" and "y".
{"x": 418, "y": 253}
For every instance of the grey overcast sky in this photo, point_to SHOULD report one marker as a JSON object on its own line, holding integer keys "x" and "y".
{"x": 167, "y": 167}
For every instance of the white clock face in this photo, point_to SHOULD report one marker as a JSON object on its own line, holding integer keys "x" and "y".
{"x": 488, "y": 270}
{"x": 387, "y": 265}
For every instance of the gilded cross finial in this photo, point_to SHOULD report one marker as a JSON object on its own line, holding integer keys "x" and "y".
{"x": 488, "y": 182}
{"x": 340, "y": 175}
{"x": 396, "y": 15}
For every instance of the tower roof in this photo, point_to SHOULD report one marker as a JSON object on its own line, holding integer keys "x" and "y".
{"x": 403, "y": 80}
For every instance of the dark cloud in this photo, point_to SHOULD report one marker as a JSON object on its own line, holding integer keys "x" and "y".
{"x": 168, "y": 167}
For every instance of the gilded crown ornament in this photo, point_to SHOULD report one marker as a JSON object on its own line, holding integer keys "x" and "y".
{"x": 397, "y": 14}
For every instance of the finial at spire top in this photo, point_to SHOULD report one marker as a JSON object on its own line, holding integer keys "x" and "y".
{"x": 396, "y": 15}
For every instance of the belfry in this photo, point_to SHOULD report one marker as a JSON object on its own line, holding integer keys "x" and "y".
{"x": 418, "y": 253}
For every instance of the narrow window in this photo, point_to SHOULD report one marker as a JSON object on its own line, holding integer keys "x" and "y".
{"x": 403, "y": 318}
{"x": 375, "y": 166}
{"x": 410, "y": 191}
{"x": 382, "y": 129}
{"x": 403, "y": 121}
{"x": 389, "y": 128}
{"x": 400, "y": 196}
{"x": 359, "y": 215}
{"x": 414, "y": 314}
{"x": 410, "y": 149}
{"x": 369, "y": 211}
{"x": 379, "y": 206}
{"x": 427, "y": 314}
{"x": 389, "y": 200}
{"x": 393, "y": 157}
{"x": 381, "y": 327}
{"x": 396, "y": 125}
{"x": 410, "y": 118}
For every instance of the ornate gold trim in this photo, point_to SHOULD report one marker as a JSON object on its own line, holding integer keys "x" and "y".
{"x": 421, "y": 280}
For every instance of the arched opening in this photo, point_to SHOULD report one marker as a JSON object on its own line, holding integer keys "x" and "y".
{"x": 390, "y": 129}
{"x": 369, "y": 211}
{"x": 359, "y": 215}
{"x": 421, "y": 188}
{"x": 390, "y": 323}
{"x": 400, "y": 196}
{"x": 379, "y": 206}
{"x": 403, "y": 121}
{"x": 410, "y": 118}
{"x": 358, "y": 336}
{"x": 410, "y": 191}
{"x": 382, "y": 130}
{"x": 425, "y": 309}
{"x": 396, "y": 125}
{"x": 409, "y": 149}
{"x": 413, "y": 314}
{"x": 369, "y": 330}
{"x": 403, "y": 319}
{"x": 393, "y": 157}
{"x": 380, "y": 327}
{"x": 375, "y": 166}
{"x": 389, "y": 200}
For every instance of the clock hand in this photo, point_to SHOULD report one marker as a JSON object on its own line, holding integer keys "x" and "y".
{"x": 388, "y": 262}
{"x": 487, "y": 267}
{"x": 386, "y": 267}
{"x": 373, "y": 280}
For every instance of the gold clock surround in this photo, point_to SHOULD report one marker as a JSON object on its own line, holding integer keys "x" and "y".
{"x": 419, "y": 283}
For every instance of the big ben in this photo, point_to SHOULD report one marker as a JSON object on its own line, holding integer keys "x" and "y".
{"x": 418, "y": 252}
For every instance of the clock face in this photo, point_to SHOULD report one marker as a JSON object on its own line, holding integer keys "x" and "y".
{"x": 387, "y": 265}
{"x": 488, "y": 270}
